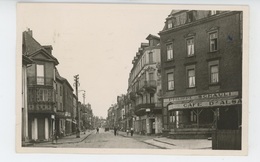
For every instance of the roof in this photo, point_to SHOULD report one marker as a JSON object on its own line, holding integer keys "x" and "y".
{"x": 31, "y": 47}
{"x": 26, "y": 60}
{"x": 150, "y": 36}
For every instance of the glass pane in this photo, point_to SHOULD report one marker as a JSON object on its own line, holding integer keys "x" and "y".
{"x": 214, "y": 69}
{"x": 40, "y": 70}
{"x": 191, "y": 72}
{"x": 170, "y": 76}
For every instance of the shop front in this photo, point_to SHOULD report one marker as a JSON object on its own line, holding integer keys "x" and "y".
{"x": 199, "y": 115}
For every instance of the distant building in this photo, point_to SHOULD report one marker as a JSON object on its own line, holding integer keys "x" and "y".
{"x": 201, "y": 69}
{"x": 144, "y": 87}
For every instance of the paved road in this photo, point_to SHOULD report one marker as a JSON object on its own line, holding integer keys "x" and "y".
{"x": 108, "y": 140}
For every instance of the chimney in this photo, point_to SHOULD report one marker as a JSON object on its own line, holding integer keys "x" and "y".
{"x": 29, "y": 31}
{"x": 48, "y": 48}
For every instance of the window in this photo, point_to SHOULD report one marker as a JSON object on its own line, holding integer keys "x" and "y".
{"x": 214, "y": 74}
{"x": 150, "y": 57}
{"x": 172, "y": 117}
{"x": 193, "y": 116}
{"x": 213, "y": 38}
{"x": 190, "y": 16}
{"x": 190, "y": 47}
{"x": 169, "y": 52}
{"x": 170, "y": 79}
{"x": 169, "y": 24}
{"x": 40, "y": 74}
{"x": 60, "y": 90}
{"x": 151, "y": 76}
{"x": 191, "y": 78}
{"x": 151, "y": 98}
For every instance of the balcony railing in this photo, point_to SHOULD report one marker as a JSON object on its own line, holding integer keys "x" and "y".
{"x": 41, "y": 107}
{"x": 47, "y": 81}
{"x": 150, "y": 85}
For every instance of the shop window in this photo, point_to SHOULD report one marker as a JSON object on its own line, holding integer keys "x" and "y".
{"x": 193, "y": 116}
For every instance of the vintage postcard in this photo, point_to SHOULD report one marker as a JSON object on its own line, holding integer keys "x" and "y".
{"x": 132, "y": 79}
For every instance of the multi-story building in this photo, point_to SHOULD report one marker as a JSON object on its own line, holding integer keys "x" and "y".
{"x": 74, "y": 114}
{"x": 144, "y": 87}
{"x": 41, "y": 88}
{"x": 121, "y": 112}
{"x": 111, "y": 116}
{"x": 87, "y": 115}
{"x": 201, "y": 69}
{"x": 64, "y": 105}
{"x": 68, "y": 106}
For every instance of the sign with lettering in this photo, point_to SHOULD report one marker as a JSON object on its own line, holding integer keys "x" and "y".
{"x": 203, "y": 96}
{"x": 210, "y": 103}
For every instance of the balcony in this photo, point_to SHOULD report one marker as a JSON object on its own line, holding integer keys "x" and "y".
{"x": 132, "y": 96}
{"x": 150, "y": 86}
{"x": 41, "y": 107}
{"x": 140, "y": 109}
{"x": 42, "y": 81}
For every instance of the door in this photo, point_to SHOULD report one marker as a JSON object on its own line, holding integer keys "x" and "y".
{"x": 41, "y": 129}
{"x": 153, "y": 126}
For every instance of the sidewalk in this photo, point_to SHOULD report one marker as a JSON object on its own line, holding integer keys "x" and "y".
{"x": 64, "y": 140}
{"x": 168, "y": 143}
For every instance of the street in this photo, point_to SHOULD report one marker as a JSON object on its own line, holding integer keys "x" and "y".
{"x": 103, "y": 139}
{"x": 108, "y": 140}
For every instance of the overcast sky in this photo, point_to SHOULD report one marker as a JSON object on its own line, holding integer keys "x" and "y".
{"x": 96, "y": 41}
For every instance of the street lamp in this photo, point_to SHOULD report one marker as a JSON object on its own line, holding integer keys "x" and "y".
{"x": 83, "y": 95}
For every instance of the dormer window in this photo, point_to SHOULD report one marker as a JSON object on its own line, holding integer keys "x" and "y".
{"x": 190, "y": 16}
{"x": 169, "y": 24}
{"x": 213, "y": 12}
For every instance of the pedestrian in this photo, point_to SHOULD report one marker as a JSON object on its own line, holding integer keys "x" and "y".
{"x": 55, "y": 134}
{"x": 115, "y": 131}
{"x": 127, "y": 132}
{"x": 97, "y": 130}
{"x": 132, "y": 131}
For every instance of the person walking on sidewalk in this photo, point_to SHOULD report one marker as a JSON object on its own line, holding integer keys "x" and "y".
{"x": 55, "y": 134}
{"x": 97, "y": 130}
{"x": 115, "y": 131}
{"x": 132, "y": 131}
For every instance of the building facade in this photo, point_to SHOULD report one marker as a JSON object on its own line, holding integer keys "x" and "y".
{"x": 25, "y": 62}
{"x": 41, "y": 88}
{"x": 144, "y": 87}
{"x": 201, "y": 69}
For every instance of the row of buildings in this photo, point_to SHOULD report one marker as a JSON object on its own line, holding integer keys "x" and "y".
{"x": 48, "y": 100}
{"x": 187, "y": 82}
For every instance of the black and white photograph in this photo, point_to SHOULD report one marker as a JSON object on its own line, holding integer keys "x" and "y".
{"x": 132, "y": 78}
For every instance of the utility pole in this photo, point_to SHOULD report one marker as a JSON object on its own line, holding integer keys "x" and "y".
{"x": 76, "y": 79}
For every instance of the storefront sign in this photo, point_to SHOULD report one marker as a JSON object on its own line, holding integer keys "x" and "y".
{"x": 209, "y": 103}
{"x": 203, "y": 96}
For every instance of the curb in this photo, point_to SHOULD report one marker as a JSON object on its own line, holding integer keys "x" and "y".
{"x": 163, "y": 142}
{"x": 154, "y": 145}
{"x": 79, "y": 140}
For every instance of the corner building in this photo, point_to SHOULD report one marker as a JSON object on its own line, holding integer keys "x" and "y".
{"x": 201, "y": 68}
{"x": 144, "y": 87}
